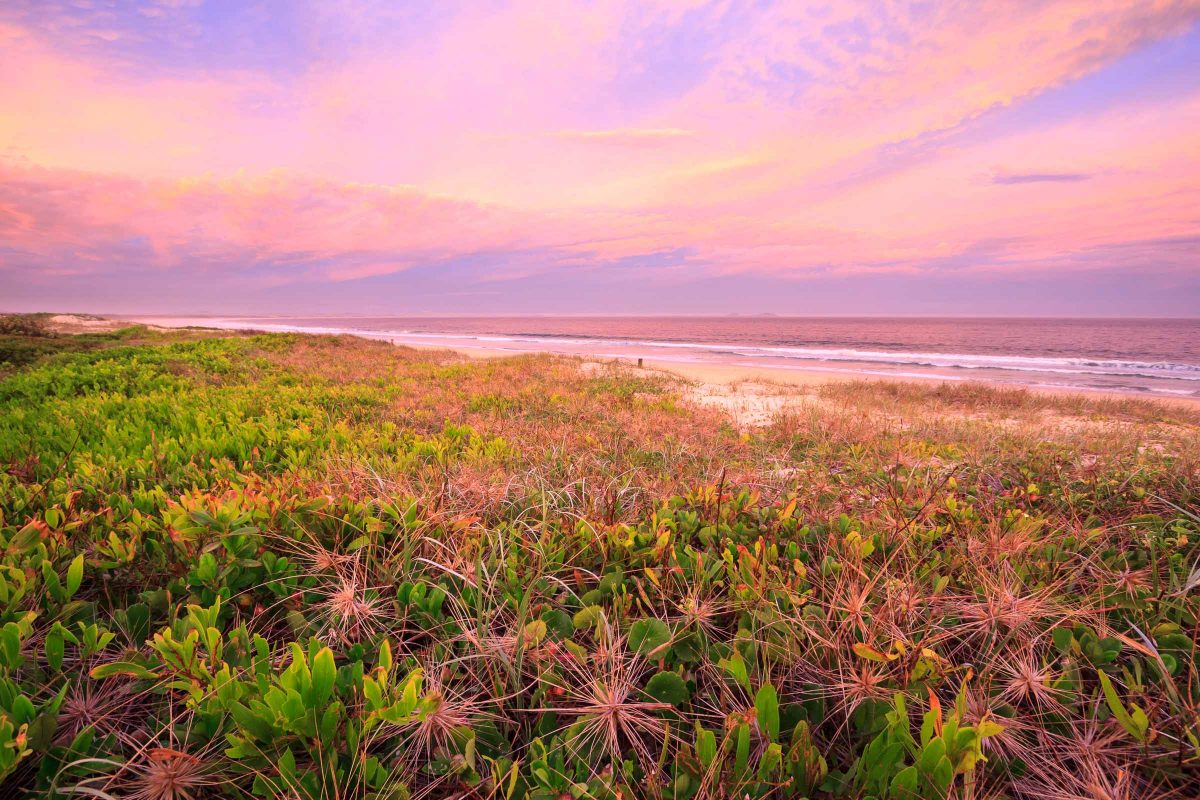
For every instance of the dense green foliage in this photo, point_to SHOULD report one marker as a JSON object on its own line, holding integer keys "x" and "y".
{"x": 229, "y": 570}
{"x": 27, "y": 338}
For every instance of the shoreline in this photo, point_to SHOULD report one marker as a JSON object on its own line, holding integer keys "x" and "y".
{"x": 787, "y": 380}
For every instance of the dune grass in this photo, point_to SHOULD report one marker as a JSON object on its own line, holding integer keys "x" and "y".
{"x": 26, "y": 339}
{"x": 293, "y": 566}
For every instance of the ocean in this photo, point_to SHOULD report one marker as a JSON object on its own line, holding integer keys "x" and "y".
{"x": 1135, "y": 356}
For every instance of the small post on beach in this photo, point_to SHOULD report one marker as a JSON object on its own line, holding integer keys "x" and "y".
{"x": 639, "y": 363}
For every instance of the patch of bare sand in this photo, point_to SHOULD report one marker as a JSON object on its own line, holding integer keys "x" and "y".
{"x": 749, "y": 403}
{"x": 752, "y": 404}
{"x": 1062, "y": 425}
{"x": 72, "y": 323}
{"x": 86, "y": 323}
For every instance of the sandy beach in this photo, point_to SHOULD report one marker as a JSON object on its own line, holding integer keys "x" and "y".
{"x": 794, "y": 380}
{"x": 754, "y": 397}
{"x": 1056, "y": 357}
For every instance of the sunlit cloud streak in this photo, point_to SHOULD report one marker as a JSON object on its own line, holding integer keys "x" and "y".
{"x": 1011, "y": 179}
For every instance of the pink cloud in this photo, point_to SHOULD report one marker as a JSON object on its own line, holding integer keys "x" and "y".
{"x": 544, "y": 136}
{"x": 273, "y": 216}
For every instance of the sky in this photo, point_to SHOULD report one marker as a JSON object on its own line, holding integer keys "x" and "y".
{"x": 1011, "y": 157}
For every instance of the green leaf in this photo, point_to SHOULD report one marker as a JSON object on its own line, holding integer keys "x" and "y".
{"x": 385, "y": 656}
{"x": 741, "y": 750}
{"x": 10, "y": 646}
{"x": 53, "y": 584}
{"x": 769, "y": 763}
{"x": 869, "y": 653}
{"x": 942, "y": 775}
{"x": 204, "y": 518}
{"x": 904, "y": 784}
{"x": 372, "y": 693}
{"x": 24, "y": 539}
{"x": 412, "y": 690}
{"x": 137, "y": 619}
{"x": 74, "y": 575}
{"x": 54, "y": 649}
{"x": 128, "y": 668}
{"x": 1135, "y": 724}
{"x": 251, "y": 723}
{"x": 987, "y": 728}
{"x": 324, "y": 673}
{"x": 668, "y": 687}
{"x": 534, "y": 632}
{"x": 687, "y": 648}
{"x": 1140, "y": 722}
{"x": 931, "y": 753}
{"x": 558, "y": 623}
{"x": 287, "y": 764}
{"x": 647, "y": 636}
{"x": 735, "y": 665}
{"x": 706, "y": 747}
{"x": 766, "y": 706}
{"x": 588, "y": 617}
{"x": 1063, "y": 637}
{"x": 41, "y": 731}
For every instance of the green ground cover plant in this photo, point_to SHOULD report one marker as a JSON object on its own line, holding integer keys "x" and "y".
{"x": 28, "y": 338}
{"x": 318, "y": 567}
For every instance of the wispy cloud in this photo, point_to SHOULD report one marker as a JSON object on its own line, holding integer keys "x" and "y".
{"x": 1012, "y": 178}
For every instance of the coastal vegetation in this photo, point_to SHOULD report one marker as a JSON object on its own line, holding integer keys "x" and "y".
{"x": 287, "y": 566}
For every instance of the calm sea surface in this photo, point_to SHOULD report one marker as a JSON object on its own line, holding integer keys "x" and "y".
{"x": 1160, "y": 357}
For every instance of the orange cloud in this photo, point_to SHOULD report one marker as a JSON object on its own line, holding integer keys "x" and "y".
{"x": 627, "y": 137}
